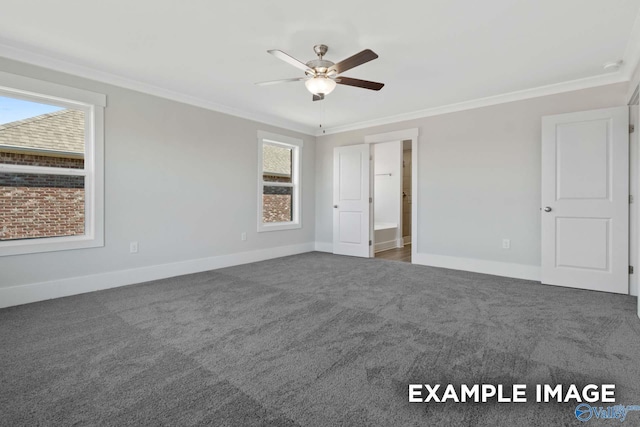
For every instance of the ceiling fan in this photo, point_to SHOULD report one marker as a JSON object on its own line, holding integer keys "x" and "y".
{"x": 322, "y": 75}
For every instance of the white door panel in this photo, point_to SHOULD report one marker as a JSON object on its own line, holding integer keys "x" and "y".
{"x": 590, "y": 235}
{"x": 583, "y": 154}
{"x": 350, "y": 226}
{"x": 585, "y": 180}
{"x": 351, "y": 217}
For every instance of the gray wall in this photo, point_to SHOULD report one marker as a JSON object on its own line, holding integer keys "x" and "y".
{"x": 479, "y": 175}
{"x": 180, "y": 180}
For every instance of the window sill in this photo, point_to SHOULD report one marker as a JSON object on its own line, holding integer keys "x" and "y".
{"x": 278, "y": 226}
{"x": 51, "y": 244}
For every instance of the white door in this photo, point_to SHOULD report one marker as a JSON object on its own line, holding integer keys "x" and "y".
{"x": 351, "y": 219}
{"x": 585, "y": 200}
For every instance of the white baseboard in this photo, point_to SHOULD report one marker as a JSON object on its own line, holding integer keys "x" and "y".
{"x": 324, "y": 247}
{"x": 24, "y": 294}
{"x": 385, "y": 246}
{"x": 518, "y": 271}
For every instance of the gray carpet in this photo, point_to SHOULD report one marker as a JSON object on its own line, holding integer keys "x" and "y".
{"x": 311, "y": 340}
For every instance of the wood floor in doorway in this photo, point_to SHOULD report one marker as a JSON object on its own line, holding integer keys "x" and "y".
{"x": 397, "y": 254}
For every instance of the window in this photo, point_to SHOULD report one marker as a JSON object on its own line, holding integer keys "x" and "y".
{"x": 51, "y": 166}
{"x": 278, "y": 182}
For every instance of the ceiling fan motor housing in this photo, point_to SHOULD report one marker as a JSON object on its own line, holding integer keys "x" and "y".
{"x": 320, "y": 66}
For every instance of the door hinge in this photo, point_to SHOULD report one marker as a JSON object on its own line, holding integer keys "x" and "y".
{"x": 631, "y": 269}
{"x": 369, "y": 242}
{"x": 370, "y": 199}
{"x": 632, "y": 128}
{"x": 630, "y": 198}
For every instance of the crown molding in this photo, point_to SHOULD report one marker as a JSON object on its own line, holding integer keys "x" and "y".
{"x": 45, "y": 61}
{"x": 630, "y": 71}
{"x": 552, "y": 89}
{"x": 631, "y": 63}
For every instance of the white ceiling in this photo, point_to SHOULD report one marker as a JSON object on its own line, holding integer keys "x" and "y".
{"x": 433, "y": 53}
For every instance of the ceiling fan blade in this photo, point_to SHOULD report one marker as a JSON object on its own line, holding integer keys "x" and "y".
{"x": 273, "y": 82}
{"x": 355, "y": 60}
{"x": 366, "y": 84}
{"x": 318, "y": 97}
{"x": 289, "y": 60}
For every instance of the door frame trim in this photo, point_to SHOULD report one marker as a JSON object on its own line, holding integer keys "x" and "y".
{"x": 634, "y": 239}
{"x": 403, "y": 135}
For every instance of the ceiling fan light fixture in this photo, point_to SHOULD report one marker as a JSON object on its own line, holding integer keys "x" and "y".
{"x": 320, "y": 85}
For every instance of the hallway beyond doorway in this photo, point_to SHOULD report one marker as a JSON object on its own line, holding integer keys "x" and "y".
{"x": 396, "y": 254}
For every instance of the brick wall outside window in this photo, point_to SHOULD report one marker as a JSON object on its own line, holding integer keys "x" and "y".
{"x": 276, "y": 207}
{"x": 32, "y": 160}
{"x": 28, "y": 212}
{"x": 38, "y": 205}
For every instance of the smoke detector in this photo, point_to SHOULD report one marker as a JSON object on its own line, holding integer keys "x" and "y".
{"x": 613, "y": 66}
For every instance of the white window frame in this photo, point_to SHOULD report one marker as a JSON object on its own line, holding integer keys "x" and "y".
{"x": 92, "y": 104}
{"x": 295, "y": 145}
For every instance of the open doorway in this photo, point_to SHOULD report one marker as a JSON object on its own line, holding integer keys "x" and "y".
{"x": 354, "y": 183}
{"x": 392, "y": 200}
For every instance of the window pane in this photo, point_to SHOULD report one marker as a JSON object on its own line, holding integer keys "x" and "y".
{"x": 276, "y": 163}
{"x": 36, "y": 205}
{"x": 38, "y": 134}
{"x": 277, "y": 204}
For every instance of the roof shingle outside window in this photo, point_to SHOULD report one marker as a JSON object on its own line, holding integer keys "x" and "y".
{"x": 59, "y": 131}
{"x": 276, "y": 160}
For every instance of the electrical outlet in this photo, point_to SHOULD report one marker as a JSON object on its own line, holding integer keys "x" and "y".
{"x": 506, "y": 244}
{"x": 243, "y": 236}
{"x": 133, "y": 247}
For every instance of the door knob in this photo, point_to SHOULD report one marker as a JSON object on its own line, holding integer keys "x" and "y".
{"x": 335, "y": 206}
{"x": 547, "y": 209}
